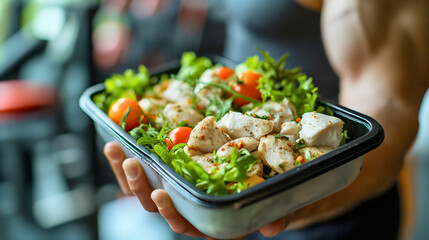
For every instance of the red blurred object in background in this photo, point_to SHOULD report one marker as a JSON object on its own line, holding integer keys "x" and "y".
{"x": 19, "y": 96}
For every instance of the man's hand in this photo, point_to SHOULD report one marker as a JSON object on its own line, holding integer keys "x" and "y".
{"x": 132, "y": 180}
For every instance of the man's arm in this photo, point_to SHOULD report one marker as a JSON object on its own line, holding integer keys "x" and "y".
{"x": 379, "y": 50}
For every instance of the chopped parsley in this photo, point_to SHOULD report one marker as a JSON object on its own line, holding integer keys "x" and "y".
{"x": 344, "y": 137}
{"x": 282, "y": 166}
{"x": 265, "y": 117}
{"x": 278, "y": 135}
{"x": 299, "y": 144}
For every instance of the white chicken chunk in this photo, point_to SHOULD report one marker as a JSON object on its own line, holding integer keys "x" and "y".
{"x": 277, "y": 153}
{"x": 206, "y": 161}
{"x": 290, "y": 130}
{"x": 177, "y": 91}
{"x": 310, "y": 153}
{"x": 248, "y": 143}
{"x": 206, "y": 93}
{"x": 206, "y": 136}
{"x": 152, "y": 106}
{"x": 174, "y": 113}
{"x": 209, "y": 76}
{"x": 258, "y": 167}
{"x": 280, "y": 112}
{"x": 321, "y": 130}
{"x": 238, "y": 125}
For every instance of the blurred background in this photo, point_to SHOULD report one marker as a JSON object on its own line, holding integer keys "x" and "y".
{"x": 54, "y": 181}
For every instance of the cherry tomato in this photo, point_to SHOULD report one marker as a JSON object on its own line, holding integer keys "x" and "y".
{"x": 178, "y": 135}
{"x": 248, "y": 88}
{"x": 120, "y": 107}
{"x": 224, "y": 73}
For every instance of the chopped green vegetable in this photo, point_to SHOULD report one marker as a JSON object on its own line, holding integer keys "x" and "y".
{"x": 238, "y": 187}
{"x": 278, "y": 135}
{"x": 282, "y": 166}
{"x": 265, "y": 117}
{"x": 300, "y": 144}
{"x": 344, "y": 137}
{"x": 325, "y": 110}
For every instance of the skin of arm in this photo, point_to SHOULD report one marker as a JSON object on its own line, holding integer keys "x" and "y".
{"x": 379, "y": 50}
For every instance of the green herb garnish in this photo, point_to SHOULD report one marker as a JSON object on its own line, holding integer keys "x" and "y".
{"x": 344, "y": 137}
{"x": 298, "y": 145}
{"x": 278, "y": 135}
{"x": 265, "y": 117}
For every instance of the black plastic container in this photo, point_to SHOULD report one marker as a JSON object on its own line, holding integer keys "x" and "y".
{"x": 240, "y": 214}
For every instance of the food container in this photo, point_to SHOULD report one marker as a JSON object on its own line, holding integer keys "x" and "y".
{"x": 240, "y": 214}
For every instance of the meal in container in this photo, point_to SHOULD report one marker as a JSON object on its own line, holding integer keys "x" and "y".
{"x": 224, "y": 129}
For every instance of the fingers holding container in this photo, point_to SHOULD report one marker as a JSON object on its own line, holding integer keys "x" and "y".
{"x": 116, "y": 157}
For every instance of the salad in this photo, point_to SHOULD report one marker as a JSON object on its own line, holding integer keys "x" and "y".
{"x": 224, "y": 129}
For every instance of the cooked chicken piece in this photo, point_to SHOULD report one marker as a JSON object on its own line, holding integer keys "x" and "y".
{"x": 253, "y": 180}
{"x": 152, "y": 106}
{"x": 206, "y": 161}
{"x": 206, "y": 136}
{"x": 258, "y": 167}
{"x": 248, "y": 143}
{"x": 277, "y": 153}
{"x": 174, "y": 113}
{"x": 321, "y": 130}
{"x": 280, "y": 112}
{"x": 238, "y": 125}
{"x": 209, "y": 76}
{"x": 290, "y": 130}
{"x": 177, "y": 91}
{"x": 206, "y": 95}
{"x": 309, "y": 153}
{"x": 191, "y": 152}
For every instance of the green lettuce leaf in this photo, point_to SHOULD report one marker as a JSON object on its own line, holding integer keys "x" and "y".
{"x": 130, "y": 84}
{"x": 192, "y": 67}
